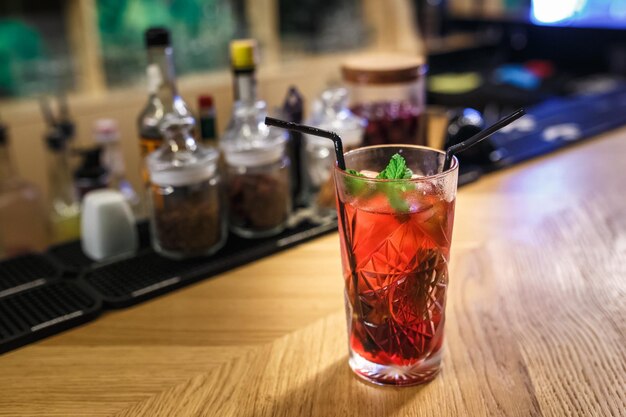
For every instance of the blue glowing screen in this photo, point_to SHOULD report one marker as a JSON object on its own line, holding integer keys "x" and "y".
{"x": 580, "y": 13}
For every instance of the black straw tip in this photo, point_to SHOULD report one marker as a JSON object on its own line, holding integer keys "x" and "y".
{"x": 480, "y": 136}
{"x": 314, "y": 131}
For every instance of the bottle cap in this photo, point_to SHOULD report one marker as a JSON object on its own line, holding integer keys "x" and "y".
{"x": 157, "y": 36}
{"x": 105, "y": 131}
{"x": 243, "y": 54}
{"x": 205, "y": 101}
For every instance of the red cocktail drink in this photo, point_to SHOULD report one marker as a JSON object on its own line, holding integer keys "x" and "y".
{"x": 395, "y": 245}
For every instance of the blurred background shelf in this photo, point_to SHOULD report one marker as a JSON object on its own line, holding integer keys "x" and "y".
{"x": 93, "y": 49}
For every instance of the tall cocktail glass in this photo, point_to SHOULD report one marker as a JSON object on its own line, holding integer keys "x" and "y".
{"x": 395, "y": 248}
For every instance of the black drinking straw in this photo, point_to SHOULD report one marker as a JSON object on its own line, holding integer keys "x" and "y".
{"x": 482, "y": 135}
{"x": 310, "y": 130}
{"x": 341, "y": 163}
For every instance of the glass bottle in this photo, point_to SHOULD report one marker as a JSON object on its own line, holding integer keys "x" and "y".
{"x": 293, "y": 111}
{"x": 257, "y": 164}
{"x": 164, "y": 97}
{"x": 206, "y": 116}
{"x": 330, "y": 112}
{"x": 106, "y": 134}
{"x": 64, "y": 204}
{"x": 91, "y": 174}
{"x": 187, "y": 216}
{"x": 23, "y": 225}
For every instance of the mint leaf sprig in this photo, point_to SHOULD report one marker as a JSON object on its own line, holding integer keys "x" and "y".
{"x": 396, "y": 169}
{"x": 355, "y": 186}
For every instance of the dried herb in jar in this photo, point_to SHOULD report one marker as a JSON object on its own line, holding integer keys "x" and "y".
{"x": 259, "y": 201}
{"x": 189, "y": 225}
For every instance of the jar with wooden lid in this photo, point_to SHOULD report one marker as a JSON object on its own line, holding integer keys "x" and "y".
{"x": 388, "y": 90}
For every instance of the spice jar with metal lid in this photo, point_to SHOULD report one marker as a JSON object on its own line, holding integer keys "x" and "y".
{"x": 388, "y": 90}
{"x": 330, "y": 112}
{"x": 187, "y": 215}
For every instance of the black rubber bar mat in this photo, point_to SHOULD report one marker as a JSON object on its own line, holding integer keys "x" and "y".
{"x": 40, "y": 294}
{"x": 40, "y": 312}
{"x": 26, "y": 271}
{"x": 72, "y": 259}
{"x": 130, "y": 281}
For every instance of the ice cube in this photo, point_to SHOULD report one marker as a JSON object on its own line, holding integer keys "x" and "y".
{"x": 426, "y": 188}
{"x": 369, "y": 174}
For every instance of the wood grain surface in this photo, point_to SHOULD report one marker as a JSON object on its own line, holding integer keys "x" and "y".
{"x": 536, "y": 321}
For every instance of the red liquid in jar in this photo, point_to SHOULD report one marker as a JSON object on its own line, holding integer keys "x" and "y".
{"x": 390, "y": 122}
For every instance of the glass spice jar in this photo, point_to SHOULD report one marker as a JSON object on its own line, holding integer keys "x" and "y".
{"x": 258, "y": 191}
{"x": 388, "y": 90}
{"x": 330, "y": 112}
{"x": 187, "y": 215}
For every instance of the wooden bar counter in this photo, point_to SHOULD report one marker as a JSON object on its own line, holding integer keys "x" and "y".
{"x": 536, "y": 320}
